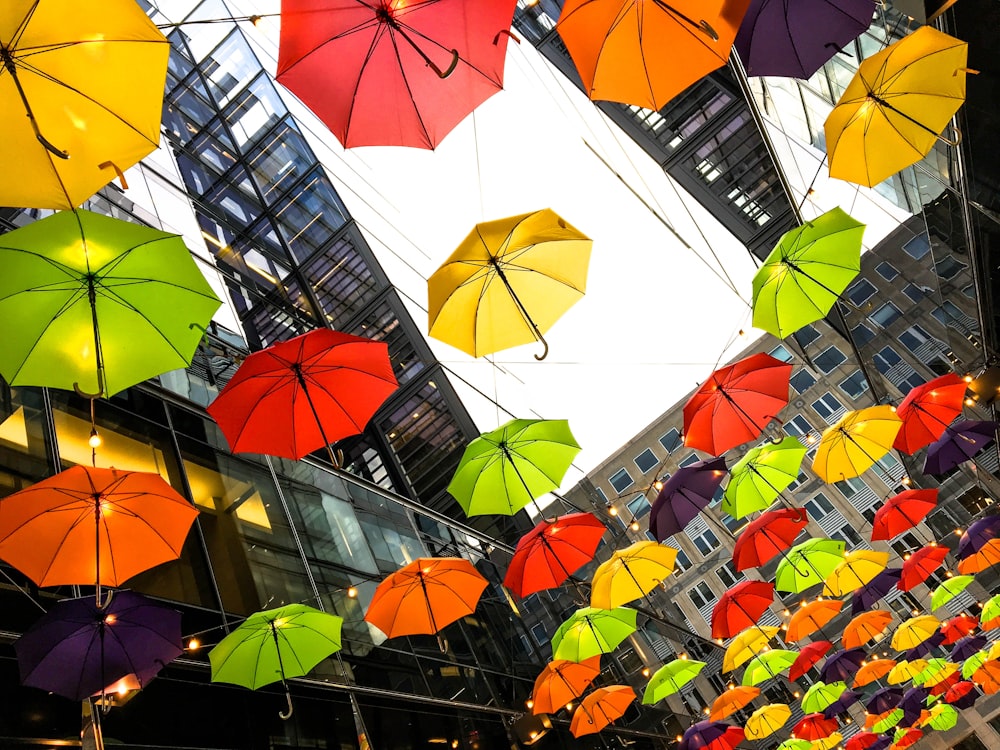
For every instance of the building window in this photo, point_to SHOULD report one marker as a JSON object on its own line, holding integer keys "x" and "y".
{"x": 887, "y": 271}
{"x": 689, "y": 459}
{"x": 915, "y": 293}
{"x": 706, "y": 541}
{"x": 671, "y": 441}
{"x": 621, "y": 480}
{"x": 646, "y": 460}
{"x": 886, "y": 315}
{"x": 728, "y": 575}
{"x": 848, "y": 536}
{"x": 861, "y": 291}
{"x": 601, "y": 496}
{"x": 802, "y": 381}
{"x": 918, "y": 247}
{"x": 948, "y": 267}
{"x": 819, "y": 507}
{"x": 914, "y": 336}
{"x": 638, "y": 506}
{"x": 701, "y": 595}
{"x": 806, "y": 335}
{"x": 682, "y": 563}
{"x": 854, "y": 385}
{"x": 828, "y": 359}
{"x": 540, "y": 633}
{"x": 797, "y": 426}
{"x": 885, "y": 359}
{"x": 851, "y": 487}
{"x": 828, "y": 407}
{"x": 861, "y": 334}
{"x": 781, "y": 353}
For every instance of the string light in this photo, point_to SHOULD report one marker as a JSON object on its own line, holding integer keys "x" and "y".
{"x": 529, "y": 703}
{"x": 194, "y": 644}
{"x": 94, "y": 441}
{"x": 612, "y": 511}
{"x": 645, "y": 672}
{"x": 352, "y": 593}
{"x": 569, "y": 706}
{"x": 634, "y": 526}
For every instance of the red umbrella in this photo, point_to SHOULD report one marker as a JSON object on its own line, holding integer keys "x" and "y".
{"x": 921, "y": 564}
{"x": 809, "y": 656}
{"x": 393, "y": 72}
{"x": 902, "y": 512}
{"x": 909, "y": 737}
{"x": 552, "y": 551}
{"x": 958, "y": 691}
{"x": 927, "y": 410}
{"x": 741, "y": 607}
{"x": 957, "y": 628}
{"x": 947, "y": 683}
{"x": 302, "y": 394}
{"x": 814, "y": 727}
{"x": 735, "y": 404}
{"x": 862, "y": 741}
{"x": 768, "y": 536}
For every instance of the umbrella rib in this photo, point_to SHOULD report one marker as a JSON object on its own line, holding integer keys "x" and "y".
{"x": 260, "y": 401}
{"x": 409, "y": 90}
{"x": 373, "y": 21}
{"x": 23, "y": 25}
{"x": 361, "y": 70}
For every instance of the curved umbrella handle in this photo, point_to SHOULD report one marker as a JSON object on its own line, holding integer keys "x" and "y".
{"x": 508, "y": 32}
{"x": 706, "y": 27}
{"x": 954, "y": 143}
{"x": 544, "y": 343}
{"x": 451, "y": 67}
{"x": 106, "y": 602}
{"x": 286, "y": 715}
{"x": 118, "y": 172}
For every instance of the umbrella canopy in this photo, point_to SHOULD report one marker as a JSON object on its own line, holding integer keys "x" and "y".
{"x": 508, "y": 282}
{"x": 974, "y": 662}
{"x": 940, "y": 687}
{"x": 810, "y": 617}
{"x": 948, "y": 590}
{"x": 923, "y": 649}
{"x": 977, "y": 536}
{"x": 97, "y": 304}
{"x": 809, "y": 656}
{"x": 551, "y": 552}
{"x": 766, "y": 720}
{"x": 631, "y": 573}
{"x": 827, "y": 743}
{"x": 843, "y": 665}
{"x": 425, "y": 596}
{"x": 892, "y": 111}
{"x": 927, "y": 410}
{"x": 962, "y": 695}
{"x": 747, "y": 645}
{"x": 914, "y": 631}
{"x": 794, "y": 744}
{"x": 884, "y": 722}
{"x": 902, "y": 512}
{"x": 847, "y": 699}
{"x": 561, "y": 681}
{"x": 84, "y": 99}
{"x": 853, "y": 445}
{"x": 883, "y": 700}
{"x": 736, "y": 403}
{"x": 767, "y": 665}
{"x": 987, "y": 676}
{"x": 600, "y": 708}
{"x": 821, "y": 695}
{"x": 736, "y": 698}
{"x": 967, "y": 646}
{"x": 904, "y": 671}
{"x": 761, "y": 475}
{"x": 814, "y": 727}
{"x": 873, "y": 670}
{"x": 866, "y": 627}
{"x": 986, "y": 557}
{"x": 711, "y": 735}
{"x": 670, "y": 678}
{"x": 857, "y": 568}
{"x": 504, "y": 470}
{"x": 943, "y": 717}
{"x": 989, "y": 618}
{"x": 959, "y": 443}
{"x": 808, "y": 564}
{"x": 77, "y": 649}
{"x": 919, "y": 565}
{"x": 878, "y": 587}
{"x": 863, "y": 741}
{"x": 767, "y": 536}
{"x": 393, "y": 73}
{"x": 303, "y": 394}
{"x": 906, "y": 737}
{"x": 740, "y": 607}
{"x": 806, "y": 273}
{"x": 936, "y": 671}
{"x": 589, "y": 632}
{"x": 684, "y": 496}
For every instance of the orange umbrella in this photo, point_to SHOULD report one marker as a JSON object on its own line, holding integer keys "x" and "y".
{"x": 811, "y": 617}
{"x": 988, "y": 677}
{"x": 561, "y": 681}
{"x": 600, "y": 708}
{"x": 987, "y": 556}
{"x": 873, "y": 670}
{"x": 866, "y": 627}
{"x": 425, "y": 596}
{"x": 646, "y": 52}
{"x": 735, "y": 699}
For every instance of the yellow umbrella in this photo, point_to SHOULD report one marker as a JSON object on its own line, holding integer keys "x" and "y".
{"x": 858, "y": 568}
{"x": 914, "y": 631}
{"x": 855, "y": 443}
{"x": 508, "y": 282}
{"x": 631, "y": 573}
{"x": 82, "y": 94}
{"x": 936, "y": 673}
{"x": 905, "y": 670}
{"x": 767, "y": 720}
{"x": 747, "y": 645}
{"x": 827, "y": 742}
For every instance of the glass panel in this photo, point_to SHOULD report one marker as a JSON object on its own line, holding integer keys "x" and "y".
{"x": 310, "y": 215}
{"x": 254, "y": 112}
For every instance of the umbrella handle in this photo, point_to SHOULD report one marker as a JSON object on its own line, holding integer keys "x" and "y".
{"x": 954, "y": 143}
{"x": 447, "y": 71}
{"x": 286, "y": 715}
{"x": 118, "y": 172}
{"x": 706, "y": 27}
{"x": 508, "y": 32}
{"x": 544, "y": 343}
{"x": 106, "y": 602}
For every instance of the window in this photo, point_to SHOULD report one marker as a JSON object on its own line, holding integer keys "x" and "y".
{"x": 728, "y": 575}
{"x": 950, "y": 316}
{"x": 682, "y": 563}
{"x": 848, "y": 536}
{"x": 862, "y": 334}
{"x": 854, "y": 384}
{"x": 828, "y": 407}
{"x": 861, "y": 291}
{"x": 688, "y": 460}
{"x": 887, "y": 271}
{"x": 913, "y": 337}
{"x": 639, "y": 506}
{"x": 780, "y": 352}
{"x": 646, "y": 460}
{"x": 905, "y": 544}
{"x": 948, "y": 267}
{"x": 851, "y": 487}
{"x": 886, "y": 315}
{"x": 671, "y": 441}
{"x": 797, "y": 426}
{"x": 706, "y": 541}
{"x": 601, "y": 496}
{"x": 829, "y": 358}
{"x": 885, "y": 359}
{"x": 802, "y": 381}
{"x": 915, "y": 293}
{"x": 540, "y": 633}
{"x": 621, "y": 480}
{"x": 701, "y": 595}
{"x": 905, "y": 606}
{"x": 806, "y": 335}
{"x": 819, "y": 507}
{"x": 918, "y": 247}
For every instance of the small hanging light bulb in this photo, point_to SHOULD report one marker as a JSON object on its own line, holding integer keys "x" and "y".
{"x": 194, "y": 644}
{"x": 634, "y": 526}
{"x": 352, "y": 593}
{"x": 94, "y": 441}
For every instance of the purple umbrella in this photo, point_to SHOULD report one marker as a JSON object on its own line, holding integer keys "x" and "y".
{"x": 881, "y": 743}
{"x": 847, "y": 699}
{"x": 977, "y": 535}
{"x": 962, "y": 695}
{"x": 76, "y": 650}
{"x": 865, "y": 597}
{"x": 843, "y": 665}
{"x": 684, "y": 496}
{"x": 884, "y": 699}
{"x": 922, "y": 649}
{"x": 912, "y": 704}
{"x": 967, "y": 646}
{"x": 960, "y": 442}
{"x": 705, "y": 733}
{"x": 794, "y": 39}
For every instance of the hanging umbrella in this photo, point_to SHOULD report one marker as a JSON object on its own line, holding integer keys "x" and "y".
{"x": 873, "y": 670}
{"x": 959, "y": 443}
{"x": 986, "y": 557}
{"x": 989, "y": 618}
{"x": 814, "y": 727}
{"x": 821, "y": 695}
{"x": 967, "y": 646}
{"x": 977, "y": 536}
{"x": 878, "y": 587}
{"x": 768, "y": 536}
{"x": 551, "y": 552}
{"x": 561, "y": 681}
{"x": 767, "y": 665}
{"x": 97, "y": 304}
{"x": 914, "y": 631}
{"x": 866, "y": 627}
{"x": 766, "y": 720}
{"x": 508, "y": 282}
{"x": 808, "y": 564}
{"x": 906, "y": 737}
{"x": 741, "y": 607}
{"x": 794, "y": 744}
{"x": 884, "y": 700}
{"x": 747, "y": 645}
{"x": 962, "y": 695}
{"x": 761, "y": 475}
{"x": 884, "y": 722}
{"x": 974, "y": 662}
{"x": 589, "y": 632}
{"x": 864, "y": 741}
{"x": 827, "y": 743}
{"x": 810, "y": 617}
{"x": 943, "y": 717}
{"x": 393, "y": 73}
{"x": 425, "y": 596}
{"x": 919, "y": 565}
{"x": 902, "y": 512}
{"x": 847, "y": 699}
{"x": 936, "y": 672}
{"x": 843, "y": 665}
{"x": 736, "y": 403}
{"x": 904, "y": 671}
{"x": 927, "y": 410}
{"x": 600, "y": 708}
{"x": 735, "y": 698}
{"x": 631, "y": 573}
{"x": 940, "y": 687}
{"x": 806, "y": 273}
{"x": 78, "y": 649}
{"x": 987, "y": 676}
{"x": 684, "y": 496}
{"x": 892, "y": 111}
{"x": 85, "y": 100}
{"x": 957, "y": 628}
{"x": 857, "y": 569}
{"x": 853, "y": 445}
{"x": 809, "y": 656}
{"x": 504, "y": 470}
{"x": 670, "y": 678}
{"x": 711, "y": 735}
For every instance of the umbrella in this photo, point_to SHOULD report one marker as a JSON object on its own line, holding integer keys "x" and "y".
{"x": 711, "y": 735}
{"x": 884, "y": 722}
{"x": 736, "y": 403}
{"x": 827, "y": 743}
{"x": 989, "y": 618}
{"x": 77, "y": 649}
{"x": 747, "y": 645}
{"x": 927, "y": 410}
{"x": 920, "y": 564}
{"x": 589, "y": 632}
{"x": 768, "y": 664}
{"x": 878, "y": 587}
{"x": 97, "y": 304}
{"x": 866, "y": 627}
{"x": 735, "y": 698}
{"x": 684, "y": 496}
{"x": 504, "y": 470}
{"x": 974, "y": 662}
{"x": 761, "y": 475}
{"x": 425, "y": 596}
{"x": 303, "y": 394}
{"x": 814, "y": 727}
{"x": 631, "y": 573}
{"x": 393, "y": 73}
{"x": 857, "y": 569}
{"x": 959, "y": 443}
{"x": 940, "y": 687}
{"x": 847, "y": 699}
{"x": 883, "y": 700}
{"x": 988, "y": 676}
{"x": 853, "y": 445}
{"x": 808, "y": 564}
{"x": 902, "y": 512}
{"x": 810, "y": 617}
{"x": 806, "y": 273}
{"x": 914, "y": 631}
{"x": 967, "y": 646}
{"x": 957, "y": 628}
{"x": 948, "y": 590}
{"x": 90, "y": 82}
{"x": 936, "y": 672}
{"x": 600, "y": 708}
{"x": 892, "y": 111}
{"x": 561, "y": 681}
{"x": 809, "y": 656}
{"x": 766, "y": 720}
{"x": 821, "y": 695}
{"x": 508, "y": 282}
{"x": 905, "y": 671}
{"x": 768, "y": 536}
{"x": 794, "y": 744}
{"x": 923, "y": 648}
{"x": 906, "y": 737}
{"x": 842, "y": 665}
{"x": 741, "y": 607}
{"x": 977, "y": 536}
{"x": 873, "y": 670}
{"x": 863, "y": 741}
{"x": 943, "y": 717}
{"x": 986, "y": 557}
{"x": 962, "y": 695}
{"x": 551, "y": 552}
{"x": 670, "y": 678}
{"x": 645, "y": 54}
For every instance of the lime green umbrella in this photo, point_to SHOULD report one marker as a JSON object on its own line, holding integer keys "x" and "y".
{"x": 670, "y": 678}
{"x": 988, "y": 618}
{"x": 590, "y": 631}
{"x": 504, "y": 470}
{"x": 806, "y": 273}
{"x": 943, "y": 717}
{"x": 974, "y": 662}
{"x": 97, "y": 304}
{"x": 767, "y": 665}
{"x": 891, "y": 719}
{"x": 807, "y": 564}
{"x": 276, "y": 644}
{"x": 948, "y": 590}
{"x": 821, "y": 695}
{"x": 760, "y": 476}
{"x": 794, "y": 744}
{"x": 936, "y": 670}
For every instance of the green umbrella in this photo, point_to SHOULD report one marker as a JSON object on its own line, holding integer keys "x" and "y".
{"x": 276, "y": 644}
{"x": 891, "y": 719}
{"x": 821, "y": 695}
{"x": 806, "y": 273}
{"x": 943, "y": 717}
{"x": 504, "y": 470}
{"x": 807, "y": 564}
{"x": 794, "y": 744}
{"x": 97, "y": 304}
{"x": 974, "y": 662}
{"x": 991, "y": 611}
{"x": 935, "y": 667}
{"x": 670, "y": 678}
{"x": 948, "y": 590}
{"x": 590, "y": 631}
{"x": 760, "y": 476}
{"x": 767, "y": 665}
